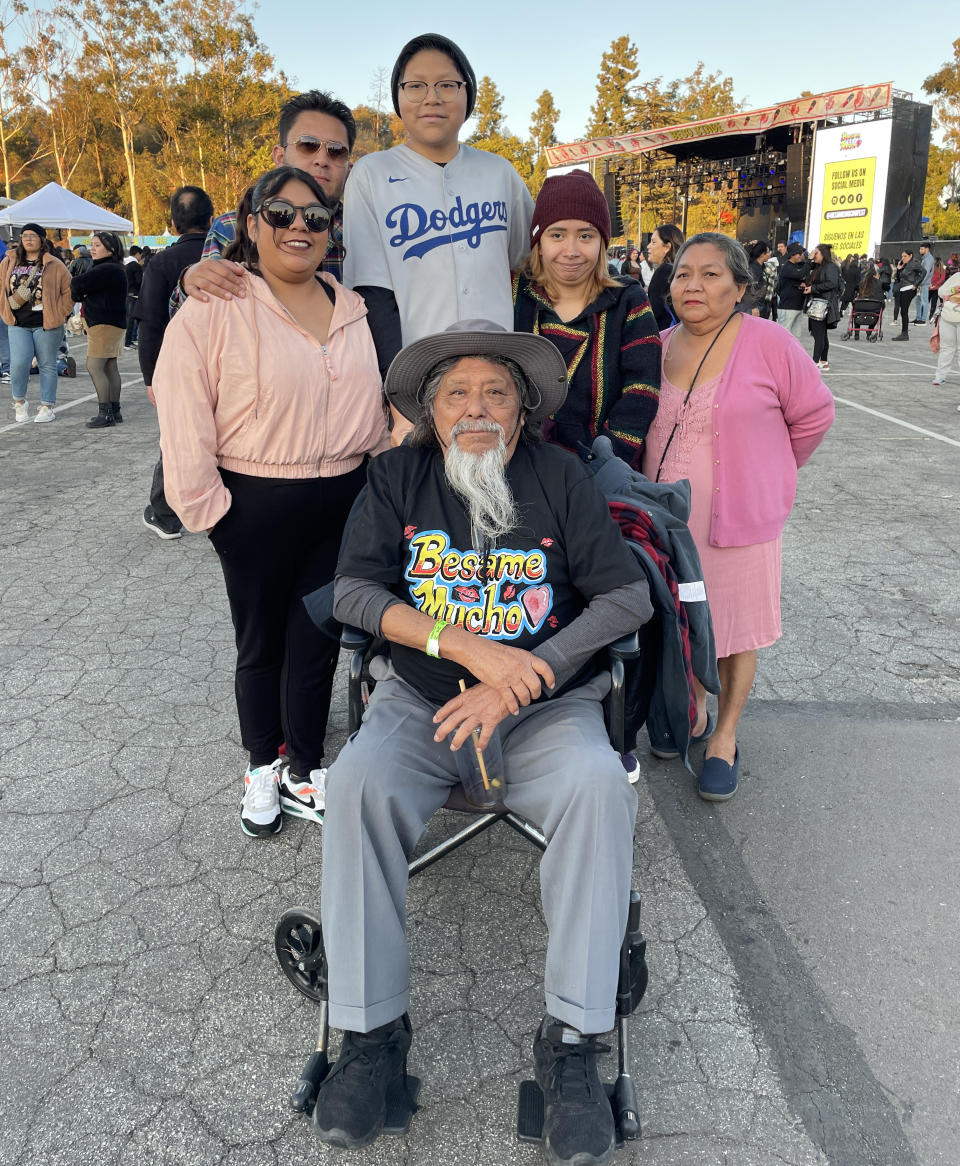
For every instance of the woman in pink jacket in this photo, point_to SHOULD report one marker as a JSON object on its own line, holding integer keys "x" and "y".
{"x": 269, "y": 406}
{"x": 742, "y": 407}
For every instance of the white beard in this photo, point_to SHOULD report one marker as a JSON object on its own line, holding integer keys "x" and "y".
{"x": 480, "y": 480}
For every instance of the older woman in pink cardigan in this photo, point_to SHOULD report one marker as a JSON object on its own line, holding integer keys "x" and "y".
{"x": 742, "y": 407}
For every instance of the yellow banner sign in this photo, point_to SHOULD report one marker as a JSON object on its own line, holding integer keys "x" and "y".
{"x": 859, "y": 99}
{"x": 847, "y": 202}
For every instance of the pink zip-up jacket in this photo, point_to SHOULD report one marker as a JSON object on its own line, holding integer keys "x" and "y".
{"x": 240, "y": 385}
{"x": 770, "y": 412}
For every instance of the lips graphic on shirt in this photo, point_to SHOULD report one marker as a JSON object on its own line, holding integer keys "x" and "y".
{"x": 467, "y": 594}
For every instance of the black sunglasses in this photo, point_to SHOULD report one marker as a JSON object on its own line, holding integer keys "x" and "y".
{"x": 336, "y": 151}
{"x": 280, "y": 213}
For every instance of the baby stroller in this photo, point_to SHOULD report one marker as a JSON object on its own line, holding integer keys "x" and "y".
{"x": 866, "y": 315}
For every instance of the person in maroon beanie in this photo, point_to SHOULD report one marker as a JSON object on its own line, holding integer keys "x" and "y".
{"x": 603, "y": 327}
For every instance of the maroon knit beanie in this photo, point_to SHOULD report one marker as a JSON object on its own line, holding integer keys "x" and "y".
{"x": 570, "y": 196}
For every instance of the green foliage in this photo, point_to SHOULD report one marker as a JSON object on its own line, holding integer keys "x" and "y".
{"x": 488, "y": 112}
{"x": 125, "y": 99}
{"x": 543, "y": 124}
{"x": 514, "y": 149}
{"x": 626, "y": 102}
{"x": 944, "y": 87}
{"x": 375, "y": 130}
{"x": 613, "y": 112}
{"x": 943, "y": 182}
{"x": 492, "y": 135}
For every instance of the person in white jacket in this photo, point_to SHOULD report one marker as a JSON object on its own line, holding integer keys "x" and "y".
{"x": 949, "y": 328}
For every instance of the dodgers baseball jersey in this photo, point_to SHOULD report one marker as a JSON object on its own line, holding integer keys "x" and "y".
{"x": 444, "y": 239}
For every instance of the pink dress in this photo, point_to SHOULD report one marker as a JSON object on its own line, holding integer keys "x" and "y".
{"x": 743, "y": 583}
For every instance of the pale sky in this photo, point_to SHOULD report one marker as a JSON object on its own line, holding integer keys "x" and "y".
{"x": 772, "y": 51}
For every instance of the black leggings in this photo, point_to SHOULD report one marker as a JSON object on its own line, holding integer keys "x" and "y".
{"x": 278, "y": 542}
{"x": 821, "y": 341}
{"x": 903, "y": 300}
{"x": 106, "y": 378}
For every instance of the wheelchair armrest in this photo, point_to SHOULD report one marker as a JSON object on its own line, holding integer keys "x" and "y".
{"x": 357, "y": 642}
{"x": 626, "y": 648}
{"x": 355, "y": 639}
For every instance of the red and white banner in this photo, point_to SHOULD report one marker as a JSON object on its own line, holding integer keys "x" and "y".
{"x": 860, "y": 99}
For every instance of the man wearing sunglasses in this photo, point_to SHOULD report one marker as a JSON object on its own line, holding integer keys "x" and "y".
{"x": 316, "y": 134}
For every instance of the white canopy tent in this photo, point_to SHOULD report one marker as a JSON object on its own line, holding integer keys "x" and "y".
{"x": 54, "y": 207}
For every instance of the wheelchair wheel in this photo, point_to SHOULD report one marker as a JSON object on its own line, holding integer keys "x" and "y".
{"x": 298, "y": 941}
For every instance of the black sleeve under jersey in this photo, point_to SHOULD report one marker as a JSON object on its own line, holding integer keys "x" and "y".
{"x": 383, "y": 316}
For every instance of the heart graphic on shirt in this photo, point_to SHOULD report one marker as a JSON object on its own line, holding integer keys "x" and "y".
{"x": 536, "y": 601}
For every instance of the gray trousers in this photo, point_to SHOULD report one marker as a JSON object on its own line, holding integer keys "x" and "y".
{"x": 388, "y": 781}
{"x": 793, "y": 320}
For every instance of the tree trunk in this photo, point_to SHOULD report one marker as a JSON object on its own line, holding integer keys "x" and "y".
{"x": 126, "y": 135}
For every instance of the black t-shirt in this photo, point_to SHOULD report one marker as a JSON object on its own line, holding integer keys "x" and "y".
{"x": 410, "y": 532}
{"x": 30, "y": 315}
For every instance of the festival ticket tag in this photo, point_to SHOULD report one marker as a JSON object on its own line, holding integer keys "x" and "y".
{"x": 692, "y": 592}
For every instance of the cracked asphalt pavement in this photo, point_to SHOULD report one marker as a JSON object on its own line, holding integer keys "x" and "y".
{"x": 803, "y": 938}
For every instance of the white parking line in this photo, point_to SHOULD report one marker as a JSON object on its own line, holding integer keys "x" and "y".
{"x": 897, "y": 421}
{"x": 882, "y": 356}
{"x": 68, "y": 405}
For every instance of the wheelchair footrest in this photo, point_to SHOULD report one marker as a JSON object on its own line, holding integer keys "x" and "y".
{"x": 401, "y": 1106}
{"x": 530, "y": 1112}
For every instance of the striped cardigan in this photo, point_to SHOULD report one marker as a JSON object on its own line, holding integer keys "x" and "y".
{"x": 612, "y": 354}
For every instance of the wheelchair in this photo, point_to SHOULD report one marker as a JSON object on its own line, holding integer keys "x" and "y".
{"x": 298, "y": 937}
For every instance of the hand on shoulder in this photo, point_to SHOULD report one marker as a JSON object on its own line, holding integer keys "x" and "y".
{"x": 219, "y": 278}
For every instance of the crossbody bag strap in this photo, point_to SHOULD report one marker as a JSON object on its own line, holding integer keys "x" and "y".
{"x": 676, "y": 424}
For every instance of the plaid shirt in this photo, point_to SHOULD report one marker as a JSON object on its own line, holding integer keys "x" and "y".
{"x": 771, "y": 276}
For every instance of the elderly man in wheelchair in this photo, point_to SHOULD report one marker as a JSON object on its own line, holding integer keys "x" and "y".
{"x": 491, "y": 565}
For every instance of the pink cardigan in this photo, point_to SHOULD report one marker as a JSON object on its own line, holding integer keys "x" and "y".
{"x": 770, "y": 412}
{"x": 240, "y": 385}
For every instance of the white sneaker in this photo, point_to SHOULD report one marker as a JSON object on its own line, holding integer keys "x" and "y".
{"x": 303, "y": 799}
{"x": 937, "y": 381}
{"x": 260, "y": 807}
{"x": 44, "y": 413}
{"x": 21, "y": 411}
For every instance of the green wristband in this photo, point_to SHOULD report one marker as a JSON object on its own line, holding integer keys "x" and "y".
{"x": 433, "y": 640}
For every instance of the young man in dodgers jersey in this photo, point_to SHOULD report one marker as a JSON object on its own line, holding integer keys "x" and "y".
{"x": 433, "y": 228}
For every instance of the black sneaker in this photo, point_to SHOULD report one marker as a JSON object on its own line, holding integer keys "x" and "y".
{"x": 153, "y": 523}
{"x": 352, "y": 1102}
{"x": 578, "y": 1125}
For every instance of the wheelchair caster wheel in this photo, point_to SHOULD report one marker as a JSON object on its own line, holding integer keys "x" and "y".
{"x": 298, "y": 941}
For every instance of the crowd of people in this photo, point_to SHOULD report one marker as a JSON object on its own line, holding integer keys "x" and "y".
{"x": 384, "y": 385}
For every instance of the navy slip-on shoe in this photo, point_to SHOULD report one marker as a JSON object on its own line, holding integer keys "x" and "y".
{"x": 668, "y": 751}
{"x": 719, "y": 780}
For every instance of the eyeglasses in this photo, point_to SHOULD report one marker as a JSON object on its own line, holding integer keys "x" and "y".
{"x": 277, "y": 212}
{"x": 308, "y": 144}
{"x": 416, "y": 91}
